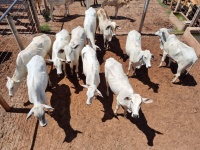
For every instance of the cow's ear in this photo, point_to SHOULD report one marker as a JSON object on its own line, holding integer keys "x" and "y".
{"x": 61, "y": 51}
{"x": 62, "y": 60}
{"x": 29, "y": 114}
{"x": 75, "y": 46}
{"x": 118, "y": 27}
{"x": 109, "y": 26}
{"x": 127, "y": 98}
{"x": 8, "y": 78}
{"x": 49, "y": 60}
{"x": 147, "y": 100}
{"x": 85, "y": 86}
{"x": 99, "y": 93}
{"x": 47, "y": 106}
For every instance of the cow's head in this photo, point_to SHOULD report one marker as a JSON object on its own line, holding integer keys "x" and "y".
{"x": 114, "y": 26}
{"x": 135, "y": 102}
{"x": 57, "y": 62}
{"x": 91, "y": 93}
{"x": 12, "y": 86}
{"x": 163, "y": 33}
{"x": 147, "y": 57}
{"x": 39, "y": 113}
{"x": 69, "y": 49}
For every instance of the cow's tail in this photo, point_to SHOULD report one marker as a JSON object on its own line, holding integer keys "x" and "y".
{"x": 191, "y": 67}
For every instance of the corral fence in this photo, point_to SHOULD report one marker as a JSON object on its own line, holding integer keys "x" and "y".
{"x": 17, "y": 20}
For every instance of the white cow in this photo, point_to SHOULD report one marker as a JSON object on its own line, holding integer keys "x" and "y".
{"x": 74, "y": 48}
{"x": 116, "y": 3}
{"x": 90, "y": 26}
{"x": 183, "y": 54}
{"x": 37, "y": 80}
{"x": 58, "y": 54}
{"x": 137, "y": 57}
{"x": 120, "y": 85}
{"x": 54, "y": 3}
{"x": 40, "y": 45}
{"x": 106, "y": 26}
{"x": 91, "y": 71}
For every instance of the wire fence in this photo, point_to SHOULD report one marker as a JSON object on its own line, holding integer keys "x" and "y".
{"x": 17, "y": 26}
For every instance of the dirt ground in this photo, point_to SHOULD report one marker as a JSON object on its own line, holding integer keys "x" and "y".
{"x": 170, "y": 122}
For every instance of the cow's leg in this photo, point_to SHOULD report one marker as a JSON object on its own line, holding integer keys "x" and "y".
{"x": 116, "y": 11}
{"x": 129, "y": 68}
{"x": 107, "y": 88}
{"x": 170, "y": 60}
{"x": 51, "y": 12}
{"x": 179, "y": 70}
{"x": 71, "y": 69}
{"x": 64, "y": 69}
{"x": 76, "y": 70}
{"x": 125, "y": 113}
{"x": 117, "y": 108}
{"x": 163, "y": 58}
{"x": 67, "y": 10}
{"x": 134, "y": 73}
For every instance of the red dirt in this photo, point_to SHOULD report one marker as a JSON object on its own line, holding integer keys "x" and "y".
{"x": 170, "y": 122}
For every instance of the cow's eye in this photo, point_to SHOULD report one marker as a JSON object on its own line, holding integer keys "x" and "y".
{"x": 12, "y": 88}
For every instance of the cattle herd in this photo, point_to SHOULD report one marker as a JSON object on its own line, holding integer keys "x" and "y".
{"x": 67, "y": 49}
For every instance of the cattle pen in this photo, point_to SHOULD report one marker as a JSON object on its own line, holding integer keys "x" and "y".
{"x": 170, "y": 122}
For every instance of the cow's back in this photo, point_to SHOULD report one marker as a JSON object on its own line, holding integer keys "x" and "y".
{"x": 40, "y": 45}
{"x": 37, "y": 78}
{"x": 115, "y": 75}
{"x": 133, "y": 40}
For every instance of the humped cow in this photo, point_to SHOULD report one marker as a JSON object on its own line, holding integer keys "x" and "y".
{"x": 183, "y": 54}
{"x": 90, "y": 26}
{"x": 54, "y": 3}
{"x": 137, "y": 57}
{"x": 58, "y": 54}
{"x": 40, "y": 45}
{"x": 106, "y": 26}
{"x": 116, "y": 3}
{"x": 74, "y": 48}
{"x": 37, "y": 80}
{"x": 91, "y": 69}
{"x": 120, "y": 85}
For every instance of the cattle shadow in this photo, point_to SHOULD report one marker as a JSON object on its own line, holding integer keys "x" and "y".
{"x": 60, "y": 101}
{"x": 106, "y": 101}
{"x": 122, "y": 18}
{"x": 143, "y": 76}
{"x": 66, "y": 18}
{"x": 73, "y": 78}
{"x": 184, "y": 79}
{"x": 142, "y": 125}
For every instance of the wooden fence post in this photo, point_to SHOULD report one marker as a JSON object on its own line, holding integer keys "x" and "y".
{"x": 194, "y": 19}
{"x": 14, "y": 31}
{"x": 4, "y": 104}
{"x": 34, "y": 12}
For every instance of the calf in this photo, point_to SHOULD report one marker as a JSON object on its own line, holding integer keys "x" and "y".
{"x": 137, "y": 57}
{"x": 91, "y": 71}
{"x": 119, "y": 84}
{"x": 37, "y": 80}
{"x": 183, "y": 54}
{"x": 40, "y": 45}
{"x": 116, "y": 3}
{"x": 58, "y": 54}
{"x": 106, "y": 26}
{"x": 74, "y": 48}
{"x": 53, "y": 3}
{"x": 90, "y": 26}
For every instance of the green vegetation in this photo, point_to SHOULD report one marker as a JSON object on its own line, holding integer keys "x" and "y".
{"x": 45, "y": 28}
{"x": 177, "y": 32}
